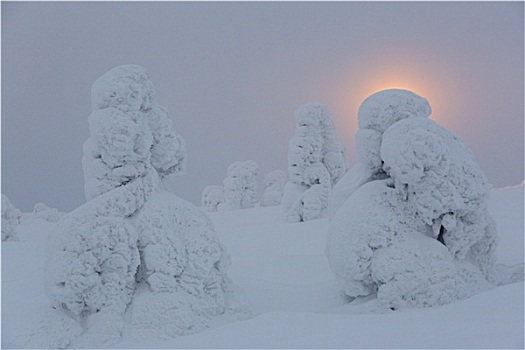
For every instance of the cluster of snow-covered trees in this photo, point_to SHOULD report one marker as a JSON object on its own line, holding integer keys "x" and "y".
{"x": 240, "y": 188}
{"x": 409, "y": 222}
{"x": 316, "y": 162}
{"x": 133, "y": 244}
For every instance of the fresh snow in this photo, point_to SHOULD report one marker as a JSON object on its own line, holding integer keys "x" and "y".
{"x": 286, "y": 279}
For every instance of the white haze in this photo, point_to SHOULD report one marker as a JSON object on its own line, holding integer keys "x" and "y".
{"x": 232, "y": 74}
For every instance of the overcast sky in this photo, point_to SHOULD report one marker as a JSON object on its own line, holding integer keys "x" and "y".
{"x": 232, "y": 74}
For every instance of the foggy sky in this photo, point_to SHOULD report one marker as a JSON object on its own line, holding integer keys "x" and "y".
{"x": 232, "y": 74}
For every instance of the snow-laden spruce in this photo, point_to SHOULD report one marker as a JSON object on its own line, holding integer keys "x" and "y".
{"x": 212, "y": 197}
{"x": 10, "y": 219}
{"x": 316, "y": 162}
{"x": 411, "y": 221}
{"x": 134, "y": 248}
{"x": 240, "y": 186}
{"x": 273, "y": 188}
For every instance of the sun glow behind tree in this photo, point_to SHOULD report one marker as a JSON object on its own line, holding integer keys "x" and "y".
{"x": 367, "y": 76}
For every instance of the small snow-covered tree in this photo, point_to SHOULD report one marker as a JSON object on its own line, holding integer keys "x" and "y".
{"x": 316, "y": 160}
{"x": 10, "y": 219}
{"x": 413, "y": 224}
{"x": 212, "y": 197}
{"x": 133, "y": 243}
{"x": 42, "y": 211}
{"x": 240, "y": 185}
{"x": 273, "y": 188}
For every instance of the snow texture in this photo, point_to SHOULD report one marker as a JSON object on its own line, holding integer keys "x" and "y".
{"x": 212, "y": 197}
{"x": 273, "y": 188}
{"x": 10, "y": 219}
{"x": 444, "y": 187}
{"x": 240, "y": 186}
{"x": 410, "y": 221}
{"x": 132, "y": 237}
{"x": 316, "y": 162}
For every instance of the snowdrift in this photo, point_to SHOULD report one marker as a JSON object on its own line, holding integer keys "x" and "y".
{"x": 287, "y": 281}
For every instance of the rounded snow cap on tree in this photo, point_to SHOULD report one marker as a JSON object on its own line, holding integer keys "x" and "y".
{"x": 382, "y": 109}
{"x": 312, "y": 114}
{"x": 126, "y": 87}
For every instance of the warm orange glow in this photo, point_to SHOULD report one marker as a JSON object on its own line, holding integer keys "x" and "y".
{"x": 366, "y": 78}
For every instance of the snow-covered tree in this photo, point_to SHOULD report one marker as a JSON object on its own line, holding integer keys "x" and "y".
{"x": 133, "y": 244}
{"x": 376, "y": 114}
{"x": 212, "y": 197}
{"x": 240, "y": 185}
{"x": 412, "y": 225}
{"x": 10, "y": 219}
{"x": 273, "y": 188}
{"x": 316, "y": 162}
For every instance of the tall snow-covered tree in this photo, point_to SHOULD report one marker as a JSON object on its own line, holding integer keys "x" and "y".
{"x": 134, "y": 243}
{"x": 316, "y": 162}
{"x": 412, "y": 226}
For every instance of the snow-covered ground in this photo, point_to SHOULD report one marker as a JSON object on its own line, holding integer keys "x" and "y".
{"x": 283, "y": 271}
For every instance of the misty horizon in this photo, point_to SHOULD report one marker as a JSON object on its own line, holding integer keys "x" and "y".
{"x": 232, "y": 75}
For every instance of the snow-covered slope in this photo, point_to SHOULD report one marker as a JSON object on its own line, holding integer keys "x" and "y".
{"x": 286, "y": 279}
